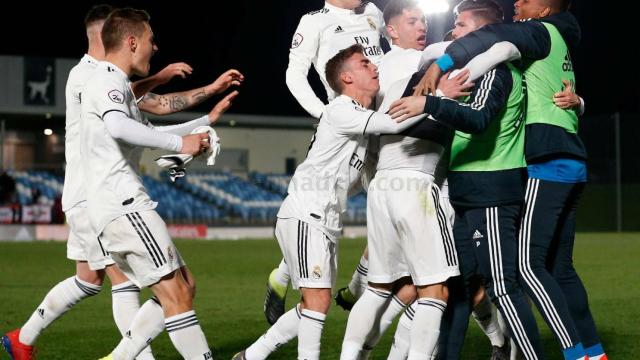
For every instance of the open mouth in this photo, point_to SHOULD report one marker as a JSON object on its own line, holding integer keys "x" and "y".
{"x": 422, "y": 40}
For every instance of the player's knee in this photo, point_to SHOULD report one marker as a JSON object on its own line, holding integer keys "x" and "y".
{"x": 317, "y": 300}
{"x": 435, "y": 291}
{"x": 407, "y": 294}
{"x": 92, "y": 276}
{"x": 179, "y": 296}
{"x": 192, "y": 289}
{"x": 190, "y": 281}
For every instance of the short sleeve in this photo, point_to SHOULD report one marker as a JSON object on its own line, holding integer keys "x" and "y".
{"x": 109, "y": 93}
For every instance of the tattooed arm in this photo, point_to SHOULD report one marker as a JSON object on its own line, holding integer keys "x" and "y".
{"x": 173, "y": 102}
{"x": 178, "y": 101}
{"x": 143, "y": 86}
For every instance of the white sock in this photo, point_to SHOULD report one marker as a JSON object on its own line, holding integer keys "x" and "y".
{"x": 145, "y": 326}
{"x": 125, "y": 299}
{"x": 359, "y": 279}
{"x": 402, "y": 338}
{"x": 282, "y": 274}
{"x": 187, "y": 336}
{"x": 285, "y": 329}
{"x": 149, "y": 323}
{"x": 59, "y": 300}
{"x": 364, "y": 319}
{"x": 486, "y": 316}
{"x": 309, "y": 334}
{"x": 394, "y": 307}
{"x": 426, "y": 328}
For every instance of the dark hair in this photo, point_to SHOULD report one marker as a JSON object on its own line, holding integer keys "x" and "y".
{"x": 489, "y": 10}
{"x": 120, "y": 24}
{"x": 335, "y": 65}
{"x": 97, "y": 13}
{"x": 395, "y": 8}
{"x": 448, "y": 36}
{"x": 560, "y": 5}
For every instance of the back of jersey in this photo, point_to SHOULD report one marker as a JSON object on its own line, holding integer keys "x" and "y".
{"x": 73, "y": 192}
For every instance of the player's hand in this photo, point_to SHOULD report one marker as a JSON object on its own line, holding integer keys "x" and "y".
{"x": 176, "y": 69}
{"x": 567, "y": 98}
{"x": 429, "y": 81}
{"x": 221, "y": 107}
{"x": 407, "y": 107}
{"x": 195, "y": 144}
{"x": 226, "y": 80}
{"x": 455, "y": 87}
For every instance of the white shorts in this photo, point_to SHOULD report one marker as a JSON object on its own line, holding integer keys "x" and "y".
{"x": 141, "y": 246}
{"x": 309, "y": 253}
{"x": 450, "y": 213}
{"x": 83, "y": 244}
{"x": 409, "y": 232}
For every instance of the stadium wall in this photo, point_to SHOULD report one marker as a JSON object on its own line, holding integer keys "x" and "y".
{"x": 266, "y": 150}
{"x": 28, "y": 233}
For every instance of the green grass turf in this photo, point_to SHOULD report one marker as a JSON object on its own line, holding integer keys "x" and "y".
{"x": 231, "y": 279}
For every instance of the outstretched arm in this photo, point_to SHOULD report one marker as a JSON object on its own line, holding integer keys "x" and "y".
{"x": 531, "y": 39}
{"x": 488, "y": 98}
{"x": 208, "y": 120}
{"x": 123, "y": 128}
{"x": 178, "y": 101}
{"x": 143, "y": 86}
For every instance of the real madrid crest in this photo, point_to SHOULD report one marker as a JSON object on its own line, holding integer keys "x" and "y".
{"x": 372, "y": 24}
{"x": 317, "y": 272}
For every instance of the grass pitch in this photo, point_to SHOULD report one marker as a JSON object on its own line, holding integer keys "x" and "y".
{"x": 231, "y": 277}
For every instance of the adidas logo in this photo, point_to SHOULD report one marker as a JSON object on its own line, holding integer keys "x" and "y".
{"x": 338, "y": 30}
{"x": 41, "y": 312}
{"x": 477, "y": 235}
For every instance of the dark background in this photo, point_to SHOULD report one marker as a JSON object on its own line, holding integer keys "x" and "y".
{"x": 254, "y": 36}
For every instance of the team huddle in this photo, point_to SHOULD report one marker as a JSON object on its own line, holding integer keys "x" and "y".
{"x": 467, "y": 148}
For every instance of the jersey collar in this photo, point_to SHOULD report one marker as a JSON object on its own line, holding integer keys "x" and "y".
{"x": 338, "y": 10}
{"x": 112, "y": 68}
{"x": 347, "y": 99}
{"x": 90, "y": 60}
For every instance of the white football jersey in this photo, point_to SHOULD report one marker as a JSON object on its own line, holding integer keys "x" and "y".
{"x": 113, "y": 186}
{"x": 396, "y": 65}
{"x": 318, "y": 190}
{"x": 320, "y": 35}
{"x": 73, "y": 192}
{"x": 397, "y": 151}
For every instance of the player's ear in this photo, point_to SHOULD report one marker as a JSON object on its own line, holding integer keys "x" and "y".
{"x": 545, "y": 12}
{"x": 346, "y": 77}
{"x": 132, "y": 43}
{"x": 391, "y": 32}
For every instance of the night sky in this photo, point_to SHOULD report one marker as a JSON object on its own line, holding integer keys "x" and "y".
{"x": 254, "y": 37}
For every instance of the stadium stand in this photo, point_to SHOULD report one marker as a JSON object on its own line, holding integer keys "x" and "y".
{"x": 212, "y": 198}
